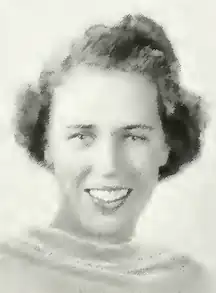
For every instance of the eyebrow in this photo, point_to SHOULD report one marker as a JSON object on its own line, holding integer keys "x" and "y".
{"x": 135, "y": 126}
{"x": 127, "y": 127}
{"x": 86, "y": 126}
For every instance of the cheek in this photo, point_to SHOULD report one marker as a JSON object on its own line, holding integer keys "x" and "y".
{"x": 70, "y": 167}
{"x": 142, "y": 160}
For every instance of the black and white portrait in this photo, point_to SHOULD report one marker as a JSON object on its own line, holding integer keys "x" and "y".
{"x": 107, "y": 147}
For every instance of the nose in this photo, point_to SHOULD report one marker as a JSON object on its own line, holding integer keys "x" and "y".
{"x": 105, "y": 163}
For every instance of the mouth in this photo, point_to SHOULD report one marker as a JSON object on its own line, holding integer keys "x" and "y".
{"x": 109, "y": 197}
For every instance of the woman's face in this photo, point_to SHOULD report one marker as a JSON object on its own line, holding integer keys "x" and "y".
{"x": 106, "y": 144}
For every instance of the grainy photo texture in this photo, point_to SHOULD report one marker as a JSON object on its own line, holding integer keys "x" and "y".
{"x": 109, "y": 120}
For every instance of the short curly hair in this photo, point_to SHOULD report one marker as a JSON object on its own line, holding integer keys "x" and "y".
{"x": 136, "y": 44}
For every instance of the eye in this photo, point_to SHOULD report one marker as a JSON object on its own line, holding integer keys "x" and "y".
{"x": 134, "y": 138}
{"x": 82, "y": 138}
{"x": 78, "y": 136}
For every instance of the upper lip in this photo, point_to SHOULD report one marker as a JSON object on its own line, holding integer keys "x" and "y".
{"x": 108, "y": 188}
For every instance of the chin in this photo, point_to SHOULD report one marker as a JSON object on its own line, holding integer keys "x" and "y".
{"x": 104, "y": 227}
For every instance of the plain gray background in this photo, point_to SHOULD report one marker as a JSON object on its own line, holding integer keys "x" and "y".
{"x": 182, "y": 214}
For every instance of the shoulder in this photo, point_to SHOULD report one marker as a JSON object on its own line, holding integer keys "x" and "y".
{"x": 176, "y": 271}
{"x": 17, "y": 269}
{"x": 190, "y": 274}
{"x": 10, "y": 273}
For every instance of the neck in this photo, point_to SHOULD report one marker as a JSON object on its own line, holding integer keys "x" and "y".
{"x": 66, "y": 222}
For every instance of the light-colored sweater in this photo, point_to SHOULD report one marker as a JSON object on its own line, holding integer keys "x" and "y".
{"x": 51, "y": 261}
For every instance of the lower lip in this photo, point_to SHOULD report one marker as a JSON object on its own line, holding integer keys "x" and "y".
{"x": 111, "y": 205}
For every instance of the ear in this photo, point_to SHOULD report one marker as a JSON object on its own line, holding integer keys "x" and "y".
{"x": 164, "y": 155}
{"x": 48, "y": 161}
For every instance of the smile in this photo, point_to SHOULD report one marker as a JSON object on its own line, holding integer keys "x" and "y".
{"x": 109, "y": 194}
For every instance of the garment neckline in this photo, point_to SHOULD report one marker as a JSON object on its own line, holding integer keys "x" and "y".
{"x": 55, "y": 246}
{"x": 72, "y": 245}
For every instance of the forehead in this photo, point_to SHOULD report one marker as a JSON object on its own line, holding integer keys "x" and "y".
{"x": 98, "y": 96}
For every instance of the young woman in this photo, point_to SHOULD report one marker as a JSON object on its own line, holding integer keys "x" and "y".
{"x": 109, "y": 120}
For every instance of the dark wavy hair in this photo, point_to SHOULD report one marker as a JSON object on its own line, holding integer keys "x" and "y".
{"x": 136, "y": 44}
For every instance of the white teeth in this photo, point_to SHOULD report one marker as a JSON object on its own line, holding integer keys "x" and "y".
{"x": 109, "y": 195}
{"x": 107, "y": 204}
